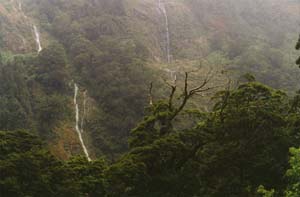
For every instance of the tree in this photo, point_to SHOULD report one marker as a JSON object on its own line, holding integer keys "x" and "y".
{"x": 248, "y": 124}
{"x": 161, "y": 160}
{"x": 293, "y": 188}
{"x": 15, "y": 103}
{"x": 51, "y": 68}
{"x": 87, "y": 176}
{"x": 246, "y": 135}
{"x": 292, "y": 173}
{"x": 50, "y": 110}
{"x": 163, "y": 113}
{"x": 28, "y": 169}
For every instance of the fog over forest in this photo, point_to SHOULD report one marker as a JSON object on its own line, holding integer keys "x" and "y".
{"x": 149, "y": 98}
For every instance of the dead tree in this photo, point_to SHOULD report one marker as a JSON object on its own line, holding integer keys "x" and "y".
{"x": 175, "y": 108}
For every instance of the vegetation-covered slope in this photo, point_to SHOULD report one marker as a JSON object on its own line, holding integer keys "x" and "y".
{"x": 242, "y": 143}
{"x": 153, "y": 93}
{"x": 114, "y": 49}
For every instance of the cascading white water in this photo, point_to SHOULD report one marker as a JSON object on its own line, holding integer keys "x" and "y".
{"x": 37, "y": 38}
{"x": 84, "y": 111}
{"x": 77, "y": 118}
{"x": 35, "y": 29}
{"x": 162, "y": 8}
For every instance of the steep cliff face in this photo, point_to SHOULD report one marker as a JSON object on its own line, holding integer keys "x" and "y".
{"x": 194, "y": 24}
{"x": 197, "y": 27}
{"x": 114, "y": 48}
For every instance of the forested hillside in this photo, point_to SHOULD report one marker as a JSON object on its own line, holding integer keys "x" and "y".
{"x": 149, "y": 98}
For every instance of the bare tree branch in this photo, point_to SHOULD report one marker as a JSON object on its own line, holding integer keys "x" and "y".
{"x": 187, "y": 94}
{"x": 173, "y": 90}
{"x": 175, "y": 108}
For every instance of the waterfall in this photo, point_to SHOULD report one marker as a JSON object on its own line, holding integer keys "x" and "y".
{"x": 172, "y": 73}
{"x": 84, "y": 111}
{"x": 35, "y": 29}
{"x": 162, "y": 8}
{"x": 20, "y": 5}
{"x": 77, "y": 118}
{"x": 37, "y": 38}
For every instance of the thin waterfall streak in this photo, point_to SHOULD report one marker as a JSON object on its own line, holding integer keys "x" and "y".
{"x": 77, "y": 116}
{"x": 35, "y": 29}
{"x": 84, "y": 111}
{"x": 162, "y": 8}
{"x": 37, "y": 39}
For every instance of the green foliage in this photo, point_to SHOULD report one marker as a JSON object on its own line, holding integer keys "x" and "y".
{"x": 224, "y": 155}
{"x": 109, "y": 45}
{"x": 33, "y": 91}
{"x": 15, "y": 106}
{"x": 250, "y": 123}
{"x": 104, "y": 59}
{"x": 87, "y": 176}
{"x": 150, "y": 128}
{"x": 114, "y": 76}
{"x": 127, "y": 177}
{"x": 292, "y": 173}
{"x": 50, "y": 111}
{"x": 29, "y": 170}
{"x": 231, "y": 151}
{"x": 293, "y": 187}
{"x": 51, "y": 69}
{"x": 265, "y": 193}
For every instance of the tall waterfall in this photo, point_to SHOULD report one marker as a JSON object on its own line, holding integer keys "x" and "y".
{"x": 37, "y": 38}
{"x": 35, "y": 29}
{"x": 162, "y": 8}
{"x": 84, "y": 111}
{"x": 77, "y": 118}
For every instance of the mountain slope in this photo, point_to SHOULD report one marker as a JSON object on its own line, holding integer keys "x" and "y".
{"x": 113, "y": 49}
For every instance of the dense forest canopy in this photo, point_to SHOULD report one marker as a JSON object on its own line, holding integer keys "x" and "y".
{"x": 149, "y": 98}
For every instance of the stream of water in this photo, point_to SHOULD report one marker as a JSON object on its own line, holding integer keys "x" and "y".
{"x": 162, "y": 8}
{"x": 37, "y": 39}
{"x": 77, "y": 123}
{"x": 37, "y": 36}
